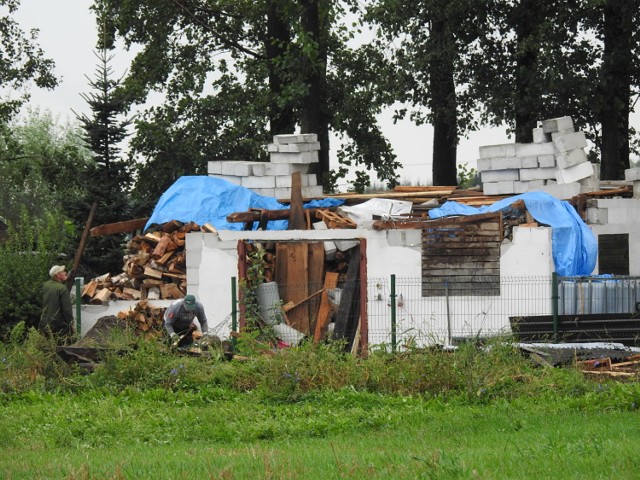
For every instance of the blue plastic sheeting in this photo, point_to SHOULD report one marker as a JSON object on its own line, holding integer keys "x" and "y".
{"x": 203, "y": 199}
{"x": 574, "y": 246}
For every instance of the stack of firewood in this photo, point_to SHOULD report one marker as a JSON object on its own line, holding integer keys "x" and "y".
{"x": 144, "y": 318}
{"x": 155, "y": 268}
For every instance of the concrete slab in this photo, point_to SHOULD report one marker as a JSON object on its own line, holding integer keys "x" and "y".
{"x": 573, "y": 174}
{"x": 571, "y": 158}
{"x": 500, "y": 175}
{"x": 537, "y": 173}
{"x": 570, "y": 141}
{"x": 556, "y": 124}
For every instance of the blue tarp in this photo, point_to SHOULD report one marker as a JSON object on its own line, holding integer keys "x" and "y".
{"x": 574, "y": 246}
{"x": 203, "y": 199}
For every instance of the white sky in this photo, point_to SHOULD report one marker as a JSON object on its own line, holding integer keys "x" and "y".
{"x": 67, "y": 35}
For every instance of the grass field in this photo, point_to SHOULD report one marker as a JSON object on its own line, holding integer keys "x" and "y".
{"x": 312, "y": 414}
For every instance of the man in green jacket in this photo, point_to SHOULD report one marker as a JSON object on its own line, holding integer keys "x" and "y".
{"x": 57, "y": 315}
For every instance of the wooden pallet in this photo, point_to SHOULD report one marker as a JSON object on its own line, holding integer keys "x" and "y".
{"x": 335, "y": 220}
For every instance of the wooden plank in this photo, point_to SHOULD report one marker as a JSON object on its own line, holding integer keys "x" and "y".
{"x": 296, "y": 217}
{"x": 315, "y": 278}
{"x": 349, "y": 309}
{"x": 152, "y": 272}
{"x": 291, "y": 276}
{"x": 324, "y": 311}
{"x": 118, "y": 227}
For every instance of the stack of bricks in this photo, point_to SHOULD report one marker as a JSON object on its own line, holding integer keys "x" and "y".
{"x": 555, "y": 163}
{"x": 288, "y": 154}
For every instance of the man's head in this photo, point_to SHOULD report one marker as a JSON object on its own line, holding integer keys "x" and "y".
{"x": 57, "y": 272}
{"x": 189, "y": 302}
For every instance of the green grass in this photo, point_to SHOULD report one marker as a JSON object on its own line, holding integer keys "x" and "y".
{"x": 336, "y": 435}
{"x": 310, "y": 413}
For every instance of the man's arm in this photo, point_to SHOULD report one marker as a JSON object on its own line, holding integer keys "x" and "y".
{"x": 202, "y": 318}
{"x": 65, "y": 306}
{"x": 169, "y": 315}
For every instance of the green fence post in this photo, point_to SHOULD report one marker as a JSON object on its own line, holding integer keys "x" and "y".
{"x": 393, "y": 313}
{"x": 234, "y": 310}
{"x": 78, "y": 307}
{"x": 554, "y": 305}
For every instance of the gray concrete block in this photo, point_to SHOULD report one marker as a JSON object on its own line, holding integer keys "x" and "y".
{"x": 295, "y": 138}
{"x": 557, "y": 124}
{"x": 589, "y": 184}
{"x": 500, "y": 175}
{"x": 529, "y": 186}
{"x": 533, "y": 149}
{"x": 575, "y": 173}
{"x": 263, "y": 168}
{"x": 259, "y": 182}
{"x": 597, "y": 216}
{"x": 284, "y": 181}
{"x": 537, "y": 173}
{"x": 540, "y": 137}
{"x": 490, "y": 188}
{"x": 562, "y": 192}
{"x": 529, "y": 162}
{"x": 546, "y": 161}
{"x": 214, "y": 167}
{"x": 229, "y": 178}
{"x": 484, "y": 164}
{"x": 632, "y": 174}
{"x": 570, "y": 141}
{"x": 301, "y": 157}
{"x": 498, "y": 151}
{"x": 312, "y": 191}
{"x": 506, "y": 163}
{"x": 237, "y": 168}
{"x": 571, "y": 158}
{"x": 636, "y": 189}
{"x": 498, "y": 188}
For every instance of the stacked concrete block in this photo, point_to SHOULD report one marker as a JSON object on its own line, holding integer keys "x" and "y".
{"x": 555, "y": 162}
{"x": 633, "y": 175}
{"x": 288, "y": 154}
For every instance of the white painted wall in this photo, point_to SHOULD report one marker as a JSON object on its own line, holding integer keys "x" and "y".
{"x": 212, "y": 260}
{"x": 618, "y": 215}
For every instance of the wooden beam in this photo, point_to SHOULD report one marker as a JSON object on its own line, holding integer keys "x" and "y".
{"x": 83, "y": 241}
{"x": 118, "y": 227}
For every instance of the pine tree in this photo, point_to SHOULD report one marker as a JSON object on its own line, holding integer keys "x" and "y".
{"x": 109, "y": 180}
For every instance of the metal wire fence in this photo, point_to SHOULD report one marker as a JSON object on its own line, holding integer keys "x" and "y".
{"x": 401, "y": 312}
{"x": 452, "y": 317}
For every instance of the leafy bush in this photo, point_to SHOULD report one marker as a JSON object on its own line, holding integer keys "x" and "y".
{"x": 25, "y": 259}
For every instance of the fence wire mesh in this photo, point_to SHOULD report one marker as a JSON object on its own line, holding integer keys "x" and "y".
{"x": 449, "y": 318}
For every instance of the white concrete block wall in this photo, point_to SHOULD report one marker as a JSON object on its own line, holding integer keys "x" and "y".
{"x": 302, "y": 157}
{"x": 546, "y": 161}
{"x": 632, "y": 174}
{"x": 534, "y": 149}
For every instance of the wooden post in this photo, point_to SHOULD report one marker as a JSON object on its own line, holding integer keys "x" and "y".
{"x": 83, "y": 241}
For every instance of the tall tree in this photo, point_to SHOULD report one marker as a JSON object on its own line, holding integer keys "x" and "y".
{"x": 22, "y": 62}
{"x": 427, "y": 41}
{"x": 620, "y": 72}
{"x": 104, "y": 132}
{"x": 230, "y": 75}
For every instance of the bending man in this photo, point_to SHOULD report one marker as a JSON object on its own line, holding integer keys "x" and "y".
{"x": 184, "y": 318}
{"x": 57, "y": 314}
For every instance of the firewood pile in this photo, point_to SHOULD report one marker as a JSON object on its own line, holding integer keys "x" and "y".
{"x": 154, "y": 268}
{"x": 144, "y": 319}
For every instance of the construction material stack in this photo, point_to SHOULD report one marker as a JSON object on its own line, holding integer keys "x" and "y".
{"x": 555, "y": 163}
{"x": 288, "y": 154}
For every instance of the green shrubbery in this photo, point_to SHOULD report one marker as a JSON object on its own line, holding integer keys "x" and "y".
{"x": 130, "y": 363}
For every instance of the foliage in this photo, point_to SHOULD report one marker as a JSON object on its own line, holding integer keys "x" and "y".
{"x": 231, "y": 75}
{"x": 104, "y": 131}
{"x": 467, "y": 177}
{"x": 25, "y": 259}
{"x": 23, "y": 62}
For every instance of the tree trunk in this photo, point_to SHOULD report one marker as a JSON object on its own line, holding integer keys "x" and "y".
{"x": 616, "y": 87}
{"x": 313, "y": 118}
{"x": 281, "y": 120}
{"x": 528, "y": 16}
{"x": 443, "y": 104}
